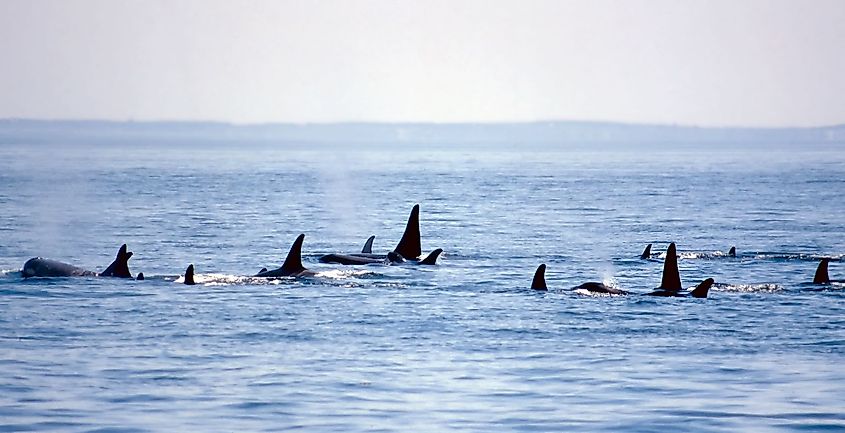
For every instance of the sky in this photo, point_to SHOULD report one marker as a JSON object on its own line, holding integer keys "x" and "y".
{"x": 771, "y": 63}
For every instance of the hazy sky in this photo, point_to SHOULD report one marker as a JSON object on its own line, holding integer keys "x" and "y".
{"x": 735, "y": 62}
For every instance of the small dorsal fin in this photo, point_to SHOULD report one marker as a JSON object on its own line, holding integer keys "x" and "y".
{"x": 822, "y": 276}
{"x": 293, "y": 262}
{"x": 189, "y": 275}
{"x": 539, "y": 282}
{"x": 140, "y": 276}
{"x": 368, "y": 246}
{"x": 646, "y": 252}
{"x": 671, "y": 280}
{"x": 431, "y": 258}
{"x": 732, "y": 252}
{"x": 702, "y": 289}
{"x": 409, "y": 246}
{"x": 120, "y": 266}
{"x": 263, "y": 270}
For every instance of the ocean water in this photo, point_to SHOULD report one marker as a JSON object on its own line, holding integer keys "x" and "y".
{"x": 461, "y": 346}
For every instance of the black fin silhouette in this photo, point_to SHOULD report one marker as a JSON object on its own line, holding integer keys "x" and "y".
{"x": 431, "y": 258}
{"x": 822, "y": 276}
{"x": 189, "y": 275}
{"x": 120, "y": 266}
{"x": 702, "y": 289}
{"x": 671, "y": 280}
{"x": 293, "y": 262}
{"x": 409, "y": 246}
{"x": 368, "y": 246}
{"x": 646, "y": 252}
{"x": 539, "y": 282}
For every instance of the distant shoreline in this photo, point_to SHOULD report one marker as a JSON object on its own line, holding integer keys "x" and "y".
{"x": 549, "y": 133}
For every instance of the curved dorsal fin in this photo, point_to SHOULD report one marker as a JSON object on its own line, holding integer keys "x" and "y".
{"x": 702, "y": 289}
{"x": 732, "y": 252}
{"x": 293, "y": 262}
{"x": 822, "y": 276}
{"x": 409, "y": 247}
{"x": 671, "y": 280}
{"x": 646, "y": 252}
{"x": 120, "y": 266}
{"x": 189, "y": 275}
{"x": 368, "y": 246}
{"x": 262, "y": 270}
{"x": 431, "y": 258}
{"x": 539, "y": 282}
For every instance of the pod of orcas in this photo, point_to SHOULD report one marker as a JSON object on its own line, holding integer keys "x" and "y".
{"x": 409, "y": 250}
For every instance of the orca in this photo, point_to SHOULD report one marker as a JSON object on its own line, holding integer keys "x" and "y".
{"x": 731, "y": 253}
{"x": 41, "y": 267}
{"x": 671, "y": 280}
{"x": 408, "y": 249}
{"x": 539, "y": 283}
{"x": 822, "y": 278}
{"x": 292, "y": 267}
{"x": 189, "y": 275}
{"x": 699, "y": 291}
{"x": 670, "y": 284}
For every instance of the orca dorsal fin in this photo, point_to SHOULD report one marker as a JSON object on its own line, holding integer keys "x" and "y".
{"x": 646, "y": 252}
{"x": 732, "y": 252}
{"x": 263, "y": 270}
{"x": 539, "y": 282}
{"x": 293, "y": 262}
{"x": 120, "y": 266}
{"x": 702, "y": 289}
{"x": 368, "y": 246}
{"x": 822, "y": 276}
{"x": 189, "y": 275}
{"x": 409, "y": 247}
{"x": 671, "y": 280}
{"x": 431, "y": 258}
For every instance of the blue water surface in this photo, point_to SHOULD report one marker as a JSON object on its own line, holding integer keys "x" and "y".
{"x": 461, "y": 346}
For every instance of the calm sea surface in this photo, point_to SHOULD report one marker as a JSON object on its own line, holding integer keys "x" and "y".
{"x": 462, "y": 346}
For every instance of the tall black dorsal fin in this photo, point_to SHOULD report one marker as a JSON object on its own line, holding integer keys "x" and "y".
{"x": 822, "y": 276}
{"x": 539, "y": 282}
{"x": 293, "y": 263}
{"x": 368, "y": 246}
{"x": 671, "y": 277}
{"x": 409, "y": 247}
{"x": 646, "y": 252}
{"x": 120, "y": 266}
{"x": 431, "y": 258}
{"x": 702, "y": 289}
{"x": 189, "y": 275}
{"x": 732, "y": 252}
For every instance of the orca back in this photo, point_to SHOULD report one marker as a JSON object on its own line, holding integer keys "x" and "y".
{"x": 409, "y": 246}
{"x": 41, "y": 267}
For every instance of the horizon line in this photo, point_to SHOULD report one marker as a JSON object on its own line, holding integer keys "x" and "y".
{"x": 412, "y": 122}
